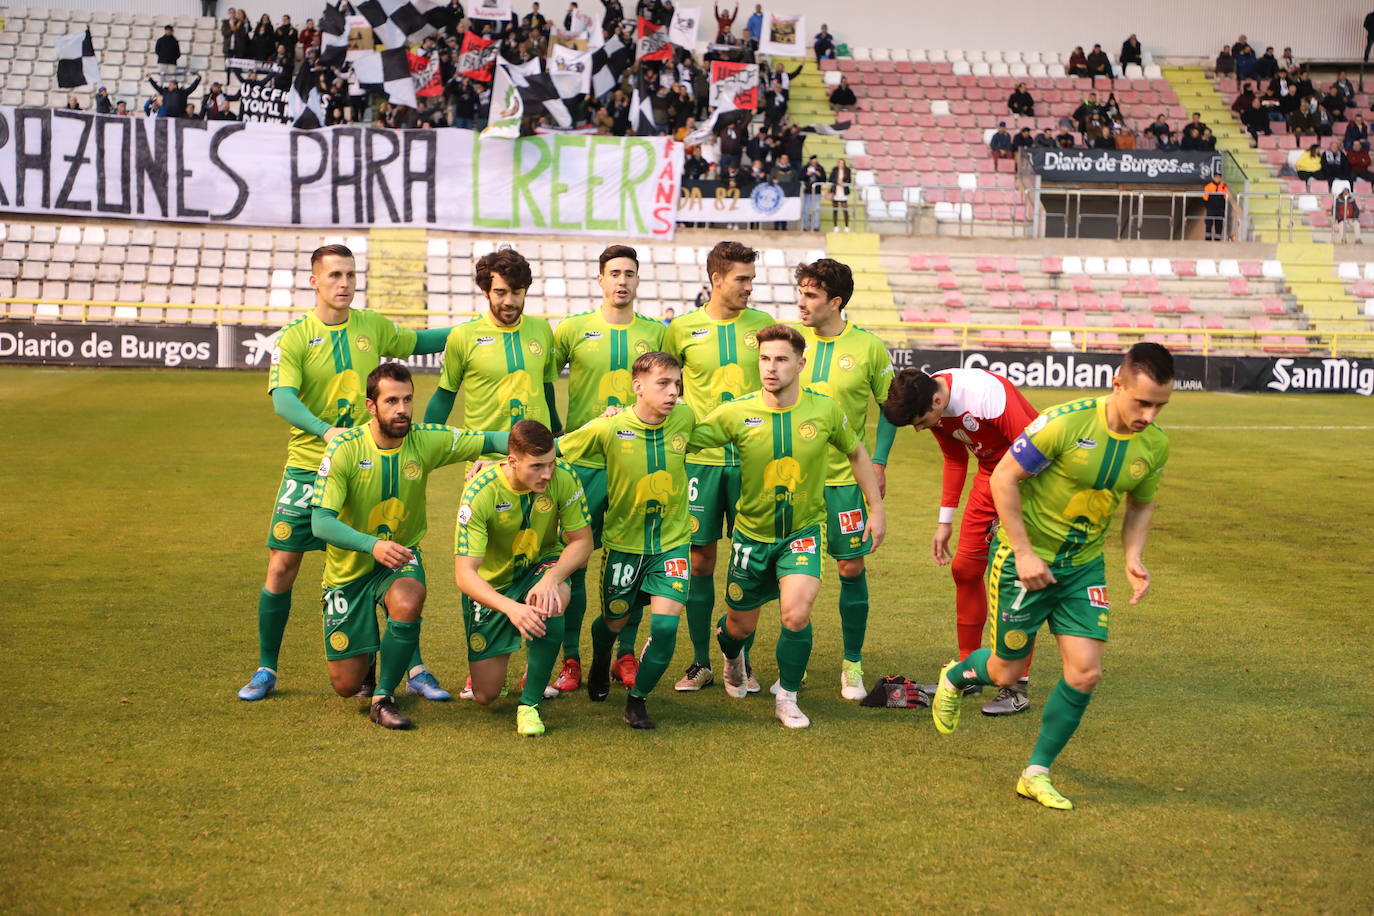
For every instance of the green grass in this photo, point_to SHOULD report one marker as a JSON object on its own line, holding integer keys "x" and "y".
{"x": 1225, "y": 763}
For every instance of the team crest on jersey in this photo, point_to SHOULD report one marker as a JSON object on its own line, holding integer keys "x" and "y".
{"x": 641, "y": 347}
{"x": 503, "y": 507}
{"x": 970, "y": 423}
{"x": 338, "y": 641}
{"x": 1139, "y": 467}
{"x": 536, "y": 347}
{"x": 281, "y": 531}
{"x": 851, "y": 520}
{"x": 1015, "y": 639}
{"x": 365, "y": 464}
{"x": 464, "y": 514}
{"x": 542, "y": 503}
{"x": 676, "y": 568}
{"x": 591, "y": 335}
{"x": 803, "y": 545}
{"x": 678, "y": 442}
{"x": 1086, "y": 442}
{"x": 625, "y": 434}
{"x": 846, "y": 362}
{"x": 734, "y": 592}
{"x": 364, "y": 343}
{"x": 807, "y": 430}
{"x": 701, "y": 332}
{"x": 753, "y": 421}
{"x": 484, "y": 340}
{"x": 411, "y": 470}
{"x": 751, "y": 341}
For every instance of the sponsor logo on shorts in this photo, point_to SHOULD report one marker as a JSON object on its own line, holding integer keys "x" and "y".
{"x": 803, "y": 545}
{"x": 701, "y": 332}
{"x": 753, "y": 421}
{"x": 1097, "y": 596}
{"x": 803, "y": 560}
{"x": 626, "y": 434}
{"x": 807, "y": 430}
{"x": 678, "y": 442}
{"x": 1085, "y": 442}
{"x": 364, "y": 344}
{"x": 503, "y": 507}
{"x": 678, "y": 586}
{"x": 751, "y": 341}
{"x": 1139, "y": 468}
{"x": 734, "y": 592}
{"x": 846, "y": 362}
{"x": 1015, "y": 640}
{"x": 338, "y": 640}
{"x": 478, "y": 642}
{"x": 365, "y": 464}
{"x": 536, "y": 347}
{"x": 464, "y": 514}
{"x": 1102, "y": 620}
{"x": 970, "y": 423}
{"x": 542, "y": 503}
{"x": 411, "y": 470}
{"x": 851, "y": 520}
{"x": 281, "y": 531}
{"x": 619, "y": 606}
{"x": 591, "y": 335}
{"x": 855, "y": 541}
{"x": 484, "y": 340}
{"x": 676, "y": 568}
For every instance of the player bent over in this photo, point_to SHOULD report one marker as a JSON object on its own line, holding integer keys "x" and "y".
{"x": 369, "y": 507}
{"x": 783, "y": 435}
{"x": 1056, "y": 490}
{"x": 512, "y": 565}
{"x": 316, "y": 384}
{"x": 978, "y": 412}
{"x": 644, "y": 449}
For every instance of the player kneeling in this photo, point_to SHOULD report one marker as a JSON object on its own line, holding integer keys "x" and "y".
{"x": 523, "y": 529}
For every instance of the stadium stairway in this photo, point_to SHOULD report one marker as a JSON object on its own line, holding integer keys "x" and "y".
{"x": 808, "y": 104}
{"x": 397, "y": 270}
{"x": 872, "y": 302}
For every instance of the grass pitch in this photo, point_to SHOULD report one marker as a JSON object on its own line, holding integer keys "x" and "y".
{"x": 1225, "y": 763}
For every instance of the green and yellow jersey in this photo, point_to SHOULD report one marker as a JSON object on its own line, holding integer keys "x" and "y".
{"x": 720, "y": 362}
{"x": 1081, "y": 470}
{"x": 328, "y": 365}
{"x": 784, "y": 454}
{"x": 502, "y": 371}
{"x": 381, "y": 492}
{"x": 514, "y": 529}
{"x": 855, "y": 369}
{"x": 646, "y": 476}
{"x": 599, "y": 355}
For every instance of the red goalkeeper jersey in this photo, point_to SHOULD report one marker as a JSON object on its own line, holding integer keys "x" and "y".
{"x": 984, "y": 416}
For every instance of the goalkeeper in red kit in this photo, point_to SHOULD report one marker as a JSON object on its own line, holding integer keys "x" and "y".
{"x": 968, "y": 411}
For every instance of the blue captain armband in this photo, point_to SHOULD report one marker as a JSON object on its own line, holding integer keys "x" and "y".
{"x": 1028, "y": 456}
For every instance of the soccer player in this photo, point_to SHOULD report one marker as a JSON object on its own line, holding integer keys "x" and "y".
{"x": 316, "y": 384}
{"x": 504, "y": 357}
{"x": 978, "y": 412}
{"x": 718, "y": 348}
{"x": 644, "y": 449}
{"x": 783, "y": 435}
{"x": 369, "y": 507}
{"x": 512, "y": 565}
{"x": 852, "y": 366}
{"x": 599, "y": 347}
{"x": 1055, "y": 490}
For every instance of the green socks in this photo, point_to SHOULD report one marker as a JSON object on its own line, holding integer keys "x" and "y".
{"x": 854, "y": 615}
{"x": 543, "y": 656}
{"x": 602, "y": 637}
{"x": 729, "y": 645}
{"x": 626, "y": 643}
{"x": 273, "y": 611}
{"x": 701, "y": 601}
{"x": 398, "y": 647}
{"x": 574, "y": 614}
{"x": 658, "y": 654}
{"x": 972, "y": 670}
{"x": 1063, "y": 711}
{"x": 794, "y": 651}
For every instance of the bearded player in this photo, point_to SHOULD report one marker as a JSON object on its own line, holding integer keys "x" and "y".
{"x": 977, "y": 412}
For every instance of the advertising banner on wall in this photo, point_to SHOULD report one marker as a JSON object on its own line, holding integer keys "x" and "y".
{"x": 715, "y": 202}
{"x": 1114, "y": 166}
{"x": 22, "y": 342}
{"x": 1047, "y": 368}
{"x": 73, "y": 163}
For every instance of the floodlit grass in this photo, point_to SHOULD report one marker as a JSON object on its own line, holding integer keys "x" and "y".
{"x": 1224, "y": 765}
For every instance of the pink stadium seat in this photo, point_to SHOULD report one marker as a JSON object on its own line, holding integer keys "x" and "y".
{"x": 1273, "y": 306}
{"x": 1021, "y": 300}
{"x": 1007, "y": 264}
{"x": 916, "y": 262}
{"x": 1214, "y": 322}
{"x": 1082, "y": 284}
{"x": 984, "y": 265}
{"x": 1252, "y": 269}
{"x": 1238, "y": 286}
{"x": 991, "y": 336}
{"x": 992, "y": 282}
{"x": 1089, "y": 302}
{"x": 1144, "y": 321}
{"x": 1149, "y": 284}
{"x": 946, "y": 337}
{"x": 1185, "y": 268}
{"x": 960, "y": 316}
{"x": 939, "y": 315}
{"x": 1014, "y": 282}
{"x": 1159, "y": 304}
{"x": 1067, "y": 300}
{"x": 947, "y": 281}
{"x": 1032, "y": 318}
{"x": 953, "y": 299}
{"x": 1364, "y": 289}
{"x": 1181, "y": 303}
{"x": 1050, "y": 319}
{"x": 1074, "y": 319}
{"x": 1259, "y": 323}
{"x": 1105, "y": 339}
{"x": 1132, "y": 287}
{"x": 939, "y": 262}
{"x": 1111, "y": 302}
{"x": 999, "y": 301}
{"x": 912, "y": 313}
{"x": 1044, "y": 299}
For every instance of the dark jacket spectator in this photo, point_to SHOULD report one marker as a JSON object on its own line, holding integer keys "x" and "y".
{"x": 814, "y": 176}
{"x": 1021, "y": 102}
{"x": 1334, "y": 103}
{"x": 1226, "y": 63}
{"x": 1310, "y": 118}
{"x": 1334, "y": 164}
{"x": 1065, "y": 140}
{"x": 168, "y": 49}
{"x": 1267, "y": 66}
{"x": 1283, "y": 90}
{"x": 174, "y": 98}
{"x": 1256, "y": 120}
{"x": 782, "y": 170}
{"x": 1078, "y": 62}
{"x": 239, "y": 42}
{"x": 1022, "y": 140}
{"x": 1355, "y": 131}
{"x": 842, "y": 98}
{"x": 1242, "y": 103}
{"x": 1159, "y": 127}
{"x": 1131, "y": 51}
{"x": 1086, "y": 109}
{"x": 694, "y": 167}
{"x": 1345, "y": 88}
{"x": 824, "y": 44}
{"x": 264, "y": 39}
{"x": 1207, "y": 143}
{"x": 287, "y": 37}
{"x": 1000, "y": 142}
{"x": 103, "y": 103}
{"x": 1099, "y": 64}
{"x": 215, "y": 105}
{"x": 1045, "y": 140}
{"x": 1190, "y": 140}
{"x": 1245, "y": 63}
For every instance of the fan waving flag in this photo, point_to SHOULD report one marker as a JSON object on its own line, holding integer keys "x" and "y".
{"x": 333, "y": 37}
{"x": 387, "y": 72}
{"x": 653, "y": 41}
{"x": 303, "y": 102}
{"x": 398, "y": 22}
{"x": 608, "y": 62}
{"x": 642, "y": 121}
{"x": 425, "y": 72}
{"x": 683, "y": 30}
{"x": 477, "y": 57}
{"x": 76, "y": 63}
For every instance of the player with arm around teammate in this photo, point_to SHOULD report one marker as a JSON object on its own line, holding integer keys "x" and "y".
{"x": 316, "y": 385}
{"x": 1056, "y": 490}
{"x": 369, "y": 507}
{"x": 522, "y": 531}
{"x": 783, "y": 435}
{"x": 969, "y": 411}
{"x": 644, "y": 448}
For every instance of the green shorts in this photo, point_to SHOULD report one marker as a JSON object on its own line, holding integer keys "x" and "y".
{"x": 845, "y": 517}
{"x": 594, "y": 488}
{"x": 628, "y": 580}
{"x": 712, "y": 492}
{"x": 290, "y": 528}
{"x": 1075, "y": 604}
{"x": 756, "y": 567}
{"x": 490, "y": 633}
{"x": 350, "y": 611}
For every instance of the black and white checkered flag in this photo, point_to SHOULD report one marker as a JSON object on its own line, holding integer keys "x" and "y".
{"x": 642, "y": 121}
{"x": 387, "y": 72}
{"x": 303, "y": 102}
{"x": 333, "y": 37}
{"x": 76, "y": 63}
{"x": 396, "y": 23}
{"x": 540, "y": 90}
{"x": 608, "y": 62}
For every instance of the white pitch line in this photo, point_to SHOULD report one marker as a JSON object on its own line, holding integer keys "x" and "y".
{"x": 1176, "y": 426}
